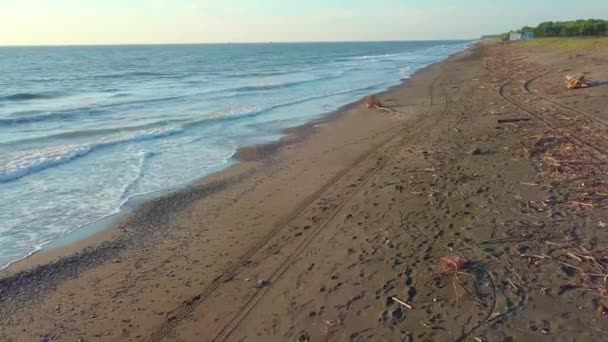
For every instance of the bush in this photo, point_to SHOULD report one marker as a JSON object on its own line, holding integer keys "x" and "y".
{"x": 573, "y": 28}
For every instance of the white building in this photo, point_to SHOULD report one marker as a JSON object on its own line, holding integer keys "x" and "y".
{"x": 521, "y": 36}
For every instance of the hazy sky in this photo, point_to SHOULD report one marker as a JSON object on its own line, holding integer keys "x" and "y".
{"x": 33, "y": 22}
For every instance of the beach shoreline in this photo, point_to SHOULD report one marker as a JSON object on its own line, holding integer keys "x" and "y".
{"x": 149, "y": 137}
{"x": 108, "y": 228}
{"x": 147, "y": 223}
{"x": 339, "y": 231}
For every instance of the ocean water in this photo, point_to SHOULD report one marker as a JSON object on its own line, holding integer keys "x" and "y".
{"x": 83, "y": 129}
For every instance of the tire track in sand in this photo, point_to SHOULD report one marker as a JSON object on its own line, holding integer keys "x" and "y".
{"x": 186, "y": 309}
{"x": 184, "y": 312}
{"x": 543, "y": 118}
{"x": 226, "y": 332}
{"x": 529, "y": 90}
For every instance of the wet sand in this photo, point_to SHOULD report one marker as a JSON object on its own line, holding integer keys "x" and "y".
{"x": 337, "y": 233}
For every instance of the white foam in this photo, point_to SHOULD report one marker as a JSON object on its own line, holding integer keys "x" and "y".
{"x": 23, "y": 163}
{"x": 381, "y": 57}
{"x": 209, "y": 114}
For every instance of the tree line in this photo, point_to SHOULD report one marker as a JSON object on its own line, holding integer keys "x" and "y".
{"x": 573, "y": 28}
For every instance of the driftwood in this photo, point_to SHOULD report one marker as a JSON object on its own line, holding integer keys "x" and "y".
{"x": 576, "y": 82}
{"x": 513, "y": 120}
{"x": 373, "y": 102}
{"x": 402, "y": 303}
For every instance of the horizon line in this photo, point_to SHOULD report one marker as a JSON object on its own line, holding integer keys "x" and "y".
{"x": 234, "y": 43}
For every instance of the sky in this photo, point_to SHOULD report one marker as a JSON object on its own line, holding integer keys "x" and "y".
{"x": 68, "y": 22}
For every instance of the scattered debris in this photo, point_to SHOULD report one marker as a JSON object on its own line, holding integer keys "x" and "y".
{"x": 596, "y": 283}
{"x": 573, "y": 163}
{"x": 263, "y": 283}
{"x": 402, "y": 303}
{"x": 581, "y": 254}
{"x": 512, "y": 120}
{"x": 477, "y": 151}
{"x": 373, "y": 102}
{"x": 452, "y": 264}
{"x": 456, "y": 265}
{"x": 576, "y": 82}
{"x": 424, "y": 170}
{"x": 304, "y": 336}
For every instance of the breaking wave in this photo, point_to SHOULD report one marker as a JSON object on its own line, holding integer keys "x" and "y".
{"x": 25, "y": 163}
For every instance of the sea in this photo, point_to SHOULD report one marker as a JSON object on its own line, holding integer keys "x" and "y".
{"x": 84, "y": 129}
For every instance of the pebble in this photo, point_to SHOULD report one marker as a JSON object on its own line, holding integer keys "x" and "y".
{"x": 263, "y": 282}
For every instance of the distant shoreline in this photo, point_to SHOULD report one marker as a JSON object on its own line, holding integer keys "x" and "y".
{"x": 236, "y": 43}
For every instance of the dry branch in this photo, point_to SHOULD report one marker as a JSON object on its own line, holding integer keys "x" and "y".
{"x": 576, "y": 82}
{"x": 402, "y": 303}
{"x": 512, "y": 120}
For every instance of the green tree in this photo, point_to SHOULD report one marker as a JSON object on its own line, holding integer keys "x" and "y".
{"x": 600, "y": 28}
{"x": 574, "y": 28}
{"x": 544, "y": 29}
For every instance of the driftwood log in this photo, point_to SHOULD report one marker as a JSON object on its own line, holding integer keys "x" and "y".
{"x": 576, "y": 82}
{"x": 372, "y": 102}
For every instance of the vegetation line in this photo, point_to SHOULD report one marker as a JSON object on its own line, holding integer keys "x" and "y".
{"x": 573, "y": 28}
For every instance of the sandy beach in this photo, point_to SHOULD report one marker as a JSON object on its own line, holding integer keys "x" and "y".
{"x": 340, "y": 231}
